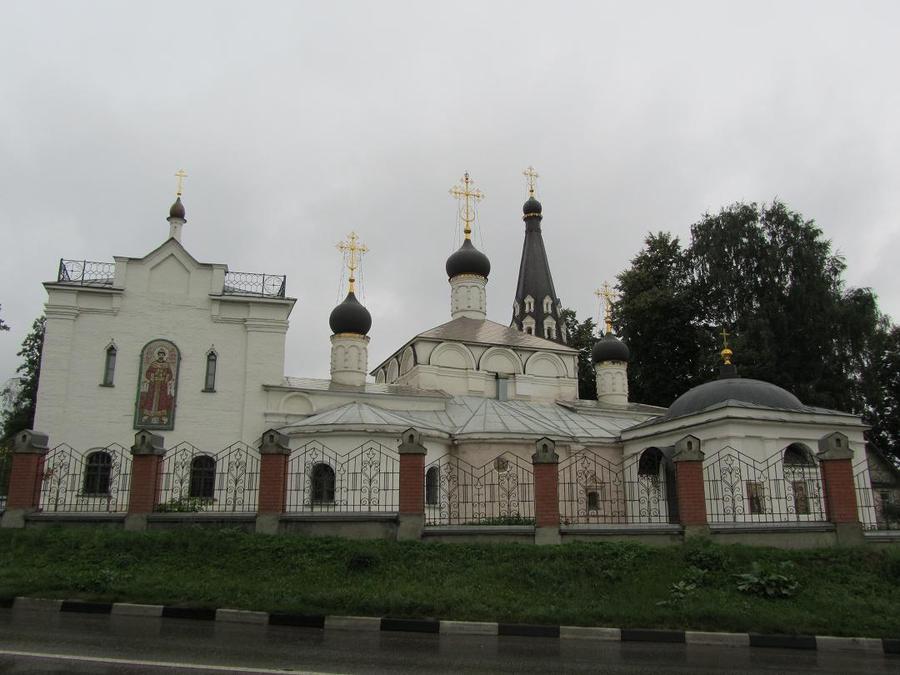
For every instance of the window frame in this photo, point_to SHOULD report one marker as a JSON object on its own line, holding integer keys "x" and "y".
{"x": 109, "y": 366}
{"x": 97, "y": 474}
{"x": 203, "y": 478}
{"x": 209, "y": 374}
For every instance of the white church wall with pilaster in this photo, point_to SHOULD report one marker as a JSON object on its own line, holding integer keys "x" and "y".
{"x": 163, "y": 296}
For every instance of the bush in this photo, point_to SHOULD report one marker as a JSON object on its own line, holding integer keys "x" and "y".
{"x": 768, "y": 581}
{"x": 705, "y": 556}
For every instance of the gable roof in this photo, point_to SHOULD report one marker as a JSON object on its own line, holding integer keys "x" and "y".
{"x": 484, "y": 331}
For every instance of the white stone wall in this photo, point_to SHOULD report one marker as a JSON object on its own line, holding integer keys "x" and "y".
{"x": 349, "y": 358}
{"x": 166, "y": 295}
{"x": 612, "y": 382}
{"x": 468, "y": 296}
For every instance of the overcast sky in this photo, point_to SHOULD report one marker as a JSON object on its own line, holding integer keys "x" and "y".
{"x": 298, "y": 122}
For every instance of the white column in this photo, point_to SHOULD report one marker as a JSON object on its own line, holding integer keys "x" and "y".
{"x": 468, "y": 296}
{"x": 349, "y": 358}
{"x": 612, "y": 382}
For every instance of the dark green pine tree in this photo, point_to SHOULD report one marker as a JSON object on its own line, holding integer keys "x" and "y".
{"x": 22, "y": 414}
{"x": 581, "y": 336}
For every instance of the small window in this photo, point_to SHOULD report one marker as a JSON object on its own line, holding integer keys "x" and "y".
{"x": 529, "y": 330}
{"x": 550, "y": 332}
{"x": 593, "y": 500}
{"x": 97, "y": 471}
{"x": 756, "y": 495}
{"x": 432, "y": 482}
{"x": 203, "y": 477}
{"x": 209, "y": 383}
{"x": 548, "y": 305}
{"x": 529, "y": 304}
{"x": 801, "y": 497}
{"x": 109, "y": 368}
{"x": 322, "y": 484}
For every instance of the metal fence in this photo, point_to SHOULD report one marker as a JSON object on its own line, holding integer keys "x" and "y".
{"x": 86, "y": 272}
{"x": 876, "y": 509}
{"x": 249, "y": 283}
{"x": 365, "y": 479}
{"x": 500, "y": 492}
{"x": 196, "y": 480}
{"x": 593, "y": 490}
{"x": 5, "y": 468}
{"x": 93, "y": 481}
{"x": 741, "y": 489}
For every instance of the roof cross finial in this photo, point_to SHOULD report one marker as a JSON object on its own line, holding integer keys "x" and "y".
{"x": 353, "y": 250}
{"x": 608, "y": 295}
{"x": 467, "y": 194}
{"x": 726, "y": 352}
{"x": 180, "y": 175}
{"x": 531, "y": 176}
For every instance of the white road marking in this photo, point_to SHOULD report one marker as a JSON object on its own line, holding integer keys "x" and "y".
{"x": 158, "y": 664}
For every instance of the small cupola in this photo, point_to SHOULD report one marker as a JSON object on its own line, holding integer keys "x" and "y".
{"x": 610, "y": 358}
{"x": 350, "y": 317}
{"x": 468, "y": 260}
{"x": 176, "y": 211}
{"x": 350, "y": 323}
{"x": 468, "y": 268}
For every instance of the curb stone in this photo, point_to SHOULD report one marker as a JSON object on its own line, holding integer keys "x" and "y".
{"x": 486, "y": 628}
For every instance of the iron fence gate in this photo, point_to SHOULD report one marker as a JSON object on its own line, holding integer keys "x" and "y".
{"x": 196, "y": 480}
{"x": 875, "y": 507}
{"x": 93, "y": 481}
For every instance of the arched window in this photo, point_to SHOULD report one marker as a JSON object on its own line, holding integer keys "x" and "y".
{"x": 797, "y": 454}
{"x": 432, "y": 481}
{"x": 648, "y": 465}
{"x": 322, "y": 484}
{"x": 209, "y": 383}
{"x": 203, "y": 477}
{"x": 548, "y": 305}
{"x": 97, "y": 470}
{"x": 529, "y": 304}
{"x": 109, "y": 367}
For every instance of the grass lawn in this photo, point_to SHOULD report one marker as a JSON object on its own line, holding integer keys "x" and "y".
{"x": 845, "y": 591}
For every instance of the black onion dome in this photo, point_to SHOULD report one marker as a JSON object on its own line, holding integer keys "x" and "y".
{"x": 609, "y": 348}
{"x": 468, "y": 260}
{"x": 532, "y": 207}
{"x": 350, "y": 317}
{"x": 177, "y": 210}
{"x": 753, "y": 392}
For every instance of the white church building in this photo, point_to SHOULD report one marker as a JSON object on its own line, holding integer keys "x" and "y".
{"x": 193, "y": 353}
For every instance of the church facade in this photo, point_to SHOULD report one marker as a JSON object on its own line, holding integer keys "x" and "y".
{"x": 187, "y": 359}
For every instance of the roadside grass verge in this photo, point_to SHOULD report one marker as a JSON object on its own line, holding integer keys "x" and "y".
{"x": 840, "y": 591}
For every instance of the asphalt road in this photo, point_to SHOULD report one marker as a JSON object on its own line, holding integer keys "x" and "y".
{"x": 38, "y": 642}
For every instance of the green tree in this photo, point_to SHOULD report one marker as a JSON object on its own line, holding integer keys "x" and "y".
{"x": 3, "y": 325}
{"x": 581, "y": 336}
{"x": 882, "y": 392}
{"x": 22, "y": 414}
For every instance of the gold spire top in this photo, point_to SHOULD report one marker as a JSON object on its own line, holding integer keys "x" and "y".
{"x": 531, "y": 176}
{"x": 466, "y": 192}
{"x": 609, "y": 295}
{"x": 180, "y": 175}
{"x": 726, "y": 352}
{"x": 353, "y": 250}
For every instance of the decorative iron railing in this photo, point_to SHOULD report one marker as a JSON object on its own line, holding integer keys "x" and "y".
{"x": 195, "y": 480}
{"x": 365, "y": 479}
{"x": 248, "y": 283}
{"x": 595, "y": 491}
{"x": 500, "y": 492}
{"x": 741, "y": 489}
{"x": 92, "y": 481}
{"x": 876, "y": 509}
{"x": 86, "y": 272}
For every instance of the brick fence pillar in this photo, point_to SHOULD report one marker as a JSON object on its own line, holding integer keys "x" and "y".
{"x": 411, "y": 515}
{"x": 545, "y": 463}
{"x": 25, "y": 477}
{"x": 688, "y": 459}
{"x": 146, "y": 465}
{"x": 835, "y": 458}
{"x": 273, "y": 452}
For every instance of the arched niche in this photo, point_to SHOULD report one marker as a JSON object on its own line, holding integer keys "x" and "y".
{"x": 500, "y": 360}
{"x": 393, "y": 371}
{"x": 296, "y": 404}
{"x": 407, "y": 360}
{"x": 452, "y": 355}
{"x": 379, "y": 376}
{"x": 544, "y": 364}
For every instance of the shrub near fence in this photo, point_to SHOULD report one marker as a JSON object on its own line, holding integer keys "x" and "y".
{"x": 364, "y": 479}
{"x": 500, "y": 492}
{"x": 195, "y": 480}
{"x": 96, "y": 480}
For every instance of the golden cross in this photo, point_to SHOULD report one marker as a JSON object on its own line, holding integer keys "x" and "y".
{"x": 608, "y": 294}
{"x": 180, "y": 175}
{"x": 726, "y": 352}
{"x": 725, "y": 335}
{"x": 531, "y": 176}
{"x": 354, "y": 250}
{"x": 467, "y": 192}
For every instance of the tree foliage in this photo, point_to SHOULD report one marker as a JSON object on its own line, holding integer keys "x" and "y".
{"x": 22, "y": 414}
{"x": 3, "y": 325}
{"x": 771, "y": 278}
{"x": 581, "y": 337}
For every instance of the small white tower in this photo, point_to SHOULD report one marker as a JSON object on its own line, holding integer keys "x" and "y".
{"x": 350, "y": 322}
{"x": 610, "y": 359}
{"x": 176, "y": 212}
{"x": 468, "y": 268}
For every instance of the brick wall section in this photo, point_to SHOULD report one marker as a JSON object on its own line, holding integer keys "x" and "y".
{"x": 546, "y": 495}
{"x": 840, "y": 491}
{"x": 691, "y": 497}
{"x": 25, "y": 480}
{"x": 145, "y": 470}
{"x": 272, "y": 482}
{"x": 412, "y": 484}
